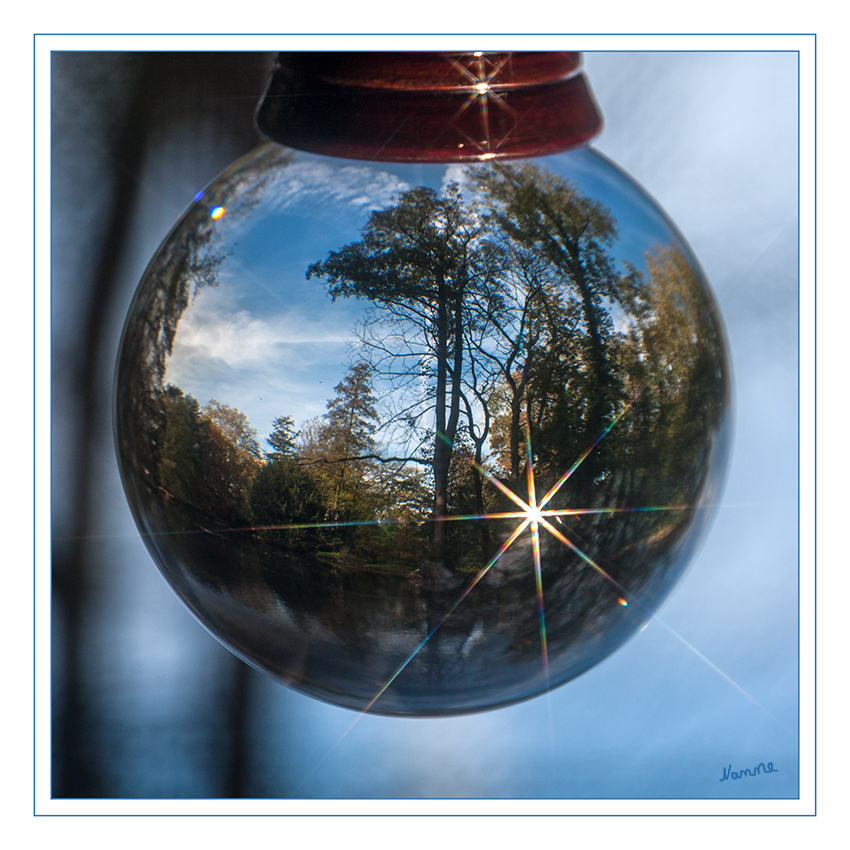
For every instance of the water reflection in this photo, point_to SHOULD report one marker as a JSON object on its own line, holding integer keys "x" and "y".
{"x": 496, "y": 365}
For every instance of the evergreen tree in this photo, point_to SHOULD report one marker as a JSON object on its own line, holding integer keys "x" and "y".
{"x": 284, "y": 496}
{"x": 282, "y": 438}
{"x": 348, "y": 447}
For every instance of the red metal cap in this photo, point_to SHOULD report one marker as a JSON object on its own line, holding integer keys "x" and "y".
{"x": 429, "y": 107}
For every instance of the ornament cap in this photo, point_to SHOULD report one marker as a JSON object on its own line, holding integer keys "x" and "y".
{"x": 429, "y": 107}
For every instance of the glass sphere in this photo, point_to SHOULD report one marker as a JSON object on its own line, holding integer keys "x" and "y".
{"x": 422, "y": 439}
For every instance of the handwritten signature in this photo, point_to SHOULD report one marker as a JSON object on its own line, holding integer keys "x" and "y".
{"x": 728, "y": 773}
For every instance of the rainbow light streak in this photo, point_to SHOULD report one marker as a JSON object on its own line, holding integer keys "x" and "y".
{"x": 658, "y": 619}
{"x": 563, "y": 479}
{"x": 586, "y": 558}
{"x": 297, "y": 526}
{"x": 217, "y": 212}
{"x": 294, "y": 526}
{"x": 535, "y": 548}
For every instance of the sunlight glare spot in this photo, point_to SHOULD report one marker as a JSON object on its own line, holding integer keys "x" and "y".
{"x": 535, "y": 515}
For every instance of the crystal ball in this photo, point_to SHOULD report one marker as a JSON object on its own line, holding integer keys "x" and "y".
{"x": 422, "y": 439}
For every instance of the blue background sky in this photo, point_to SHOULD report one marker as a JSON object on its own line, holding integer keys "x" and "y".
{"x": 713, "y": 137}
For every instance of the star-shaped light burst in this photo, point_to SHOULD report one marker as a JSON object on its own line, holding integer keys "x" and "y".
{"x": 533, "y": 515}
{"x": 479, "y": 73}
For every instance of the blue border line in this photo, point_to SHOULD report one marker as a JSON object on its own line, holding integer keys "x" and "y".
{"x": 34, "y": 365}
{"x": 444, "y": 35}
{"x": 815, "y": 447}
{"x": 799, "y": 301}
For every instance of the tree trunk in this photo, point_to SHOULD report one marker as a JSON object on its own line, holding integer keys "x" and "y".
{"x": 446, "y": 427}
{"x": 442, "y": 450}
{"x": 486, "y": 540}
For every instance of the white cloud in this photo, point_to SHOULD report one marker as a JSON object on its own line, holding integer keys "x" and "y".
{"x": 316, "y": 185}
{"x": 209, "y": 331}
{"x": 283, "y": 362}
{"x": 455, "y": 173}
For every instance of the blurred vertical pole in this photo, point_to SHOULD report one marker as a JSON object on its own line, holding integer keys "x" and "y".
{"x": 76, "y": 769}
{"x": 159, "y": 92}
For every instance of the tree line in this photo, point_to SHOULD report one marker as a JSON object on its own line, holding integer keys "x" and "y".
{"x": 496, "y": 316}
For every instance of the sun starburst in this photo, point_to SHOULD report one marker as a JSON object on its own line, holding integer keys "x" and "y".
{"x": 532, "y": 515}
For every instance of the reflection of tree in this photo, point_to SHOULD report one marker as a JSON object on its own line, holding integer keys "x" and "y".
{"x": 283, "y": 494}
{"x": 234, "y": 425}
{"x": 520, "y": 326}
{"x": 334, "y": 458}
{"x": 282, "y": 438}
{"x": 180, "y": 445}
{"x": 501, "y": 311}
{"x": 563, "y": 285}
{"x": 182, "y": 268}
{"x": 207, "y": 458}
{"x": 420, "y": 263}
{"x": 485, "y": 309}
{"x": 231, "y": 458}
{"x": 346, "y": 442}
{"x": 673, "y": 358}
